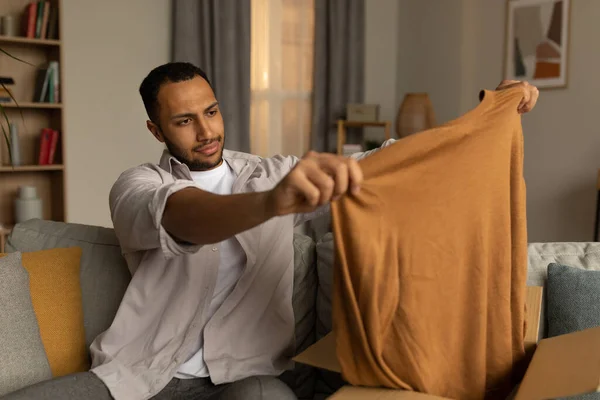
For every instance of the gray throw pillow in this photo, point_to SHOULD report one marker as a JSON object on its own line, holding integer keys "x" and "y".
{"x": 573, "y": 299}
{"x": 573, "y": 304}
{"x": 23, "y": 359}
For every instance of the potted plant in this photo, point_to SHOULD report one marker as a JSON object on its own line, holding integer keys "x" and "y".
{"x": 3, "y": 110}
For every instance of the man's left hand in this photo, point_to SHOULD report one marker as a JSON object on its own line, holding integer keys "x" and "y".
{"x": 530, "y": 94}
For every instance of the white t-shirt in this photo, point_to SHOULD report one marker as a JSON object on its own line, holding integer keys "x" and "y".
{"x": 233, "y": 259}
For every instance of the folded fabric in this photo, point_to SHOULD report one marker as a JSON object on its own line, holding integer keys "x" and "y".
{"x": 431, "y": 254}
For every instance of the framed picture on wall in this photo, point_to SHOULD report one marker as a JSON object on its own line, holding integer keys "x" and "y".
{"x": 537, "y": 42}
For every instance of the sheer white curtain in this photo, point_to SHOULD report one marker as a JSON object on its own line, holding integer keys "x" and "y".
{"x": 282, "y": 47}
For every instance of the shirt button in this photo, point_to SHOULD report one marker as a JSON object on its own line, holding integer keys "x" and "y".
{"x": 214, "y": 249}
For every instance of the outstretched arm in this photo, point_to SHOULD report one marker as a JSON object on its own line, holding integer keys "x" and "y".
{"x": 195, "y": 216}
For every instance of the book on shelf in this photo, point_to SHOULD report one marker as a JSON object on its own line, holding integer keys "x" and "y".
{"x": 40, "y": 20}
{"x": 5, "y": 94}
{"x": 47, "y": 84}
{"x": 47, "y": 146}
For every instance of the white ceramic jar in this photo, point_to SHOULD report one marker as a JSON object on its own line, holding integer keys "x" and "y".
{"x": 27, "y": 204}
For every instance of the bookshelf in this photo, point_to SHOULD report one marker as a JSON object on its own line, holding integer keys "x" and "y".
{"x": 24, "y": 40}
{"x": 31, "y": 117}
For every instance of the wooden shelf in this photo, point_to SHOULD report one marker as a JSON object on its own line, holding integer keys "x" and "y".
{"x": 4, "y": 232}
{"x": 342, "y": 124}
{"x": 32, "y": 168}
{"x": 24, "y": 40}
{"x": 6, "y": 229}
{"x": 32, "y": 105}
{"x": 360, "y": 124}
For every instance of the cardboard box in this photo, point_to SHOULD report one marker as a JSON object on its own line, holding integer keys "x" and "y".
{"x": 562, "y": 366}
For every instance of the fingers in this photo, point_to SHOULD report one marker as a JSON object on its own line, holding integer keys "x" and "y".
{"x": 530, "y": 94}
{"x": 529, "y": 99}
{"x": 306, "y": 189}
{"x": 355, "y": 174}
{"x": 507, "y": 83}
{"x": 321, "y": 180}
{"x": 345, "y": 171}
{"x": 343, "y": 174}
{"x": 524, "y": 101}
{"x": 341, "y": 181}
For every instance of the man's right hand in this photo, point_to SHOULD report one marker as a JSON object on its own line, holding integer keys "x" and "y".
{"x": 317, "y": 179}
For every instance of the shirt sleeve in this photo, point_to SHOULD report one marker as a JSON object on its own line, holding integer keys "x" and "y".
{"x": 137, "y": 203}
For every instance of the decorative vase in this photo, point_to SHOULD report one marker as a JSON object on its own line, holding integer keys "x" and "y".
{"x": 27, "y": 205}
{"x": 415, "y": 114}
{"x": 15, "y": 149}
{"x": 8, "y": 26}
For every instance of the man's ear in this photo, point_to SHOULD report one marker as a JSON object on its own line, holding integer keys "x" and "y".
{"x": 155, "y": 130}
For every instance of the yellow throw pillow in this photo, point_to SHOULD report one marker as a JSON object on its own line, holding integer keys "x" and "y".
{"x": 56, "y": 296}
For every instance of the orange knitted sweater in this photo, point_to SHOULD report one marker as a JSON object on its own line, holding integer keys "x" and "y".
{"x": 431, "y": 259}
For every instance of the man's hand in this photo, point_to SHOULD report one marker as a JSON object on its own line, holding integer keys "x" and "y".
{"x": 317, "y": 179}
{"x": 530, "y": 94}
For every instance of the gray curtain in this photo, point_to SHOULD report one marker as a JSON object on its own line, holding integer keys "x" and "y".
{"x": 338, "y": 68}
{"x": 215, "y": 36}
{"x": 338, "y": 78}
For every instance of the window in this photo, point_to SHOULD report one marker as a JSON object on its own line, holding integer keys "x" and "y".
{"x": 282, "y": 35}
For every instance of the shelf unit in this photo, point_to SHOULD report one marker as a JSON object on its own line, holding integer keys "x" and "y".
{"x": 29, "y": 104}
{"x": 30, "y": 117}
{"x": 342, "y": 124}
{"x": 24, "y": 40}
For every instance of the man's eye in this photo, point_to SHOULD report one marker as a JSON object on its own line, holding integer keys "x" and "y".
{"x": 185, "y": 121}
{"x": 212, "y": 113}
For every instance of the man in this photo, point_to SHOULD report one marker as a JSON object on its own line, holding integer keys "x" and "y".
{"x": 207, "y": 234}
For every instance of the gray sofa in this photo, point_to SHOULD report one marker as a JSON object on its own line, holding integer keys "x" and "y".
{"x": 105, "y": 276}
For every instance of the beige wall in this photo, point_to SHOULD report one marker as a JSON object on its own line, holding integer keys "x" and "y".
{"x": 106, "y": 58}
{"x": 450, "y": 49}
{"x": 381, "y": 44}
{"x": 458, "y": 49}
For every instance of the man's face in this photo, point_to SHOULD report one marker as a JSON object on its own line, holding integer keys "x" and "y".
{"x": 191, "y": 124}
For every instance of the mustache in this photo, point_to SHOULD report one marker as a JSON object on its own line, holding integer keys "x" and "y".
{"x": 207, "y": 142}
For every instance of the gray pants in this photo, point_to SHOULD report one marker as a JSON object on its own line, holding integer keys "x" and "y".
{"x": 88, "y": 386}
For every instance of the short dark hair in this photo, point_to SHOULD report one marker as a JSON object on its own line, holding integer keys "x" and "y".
{"x": 170, "y": 72}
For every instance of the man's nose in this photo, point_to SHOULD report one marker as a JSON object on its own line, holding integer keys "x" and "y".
{"x": 204, "y": 131}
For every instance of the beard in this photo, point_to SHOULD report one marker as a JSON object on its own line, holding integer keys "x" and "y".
{"x": 194, "y": 165}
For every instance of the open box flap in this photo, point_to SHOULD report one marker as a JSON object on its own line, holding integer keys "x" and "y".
{"x": 359, "y": 393}
{"x": 533, "y": 302}
{"x": 562, "y": 366}
{"x": 323, "y": 355}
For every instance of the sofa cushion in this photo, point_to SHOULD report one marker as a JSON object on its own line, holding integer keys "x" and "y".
{"x": 327, "y": 382}
{"x": 325, "y": 259}
{"x": 573, "y": 299}
{"x": 23, "y": 360}
{"x": 585, "y": 256}
{"x": 302, "y": 378}
{"x": 104, "y": 274}
{"x": 55, "y": 290}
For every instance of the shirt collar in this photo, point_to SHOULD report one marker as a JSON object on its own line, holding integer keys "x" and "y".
{"x": 236, "y": 160}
